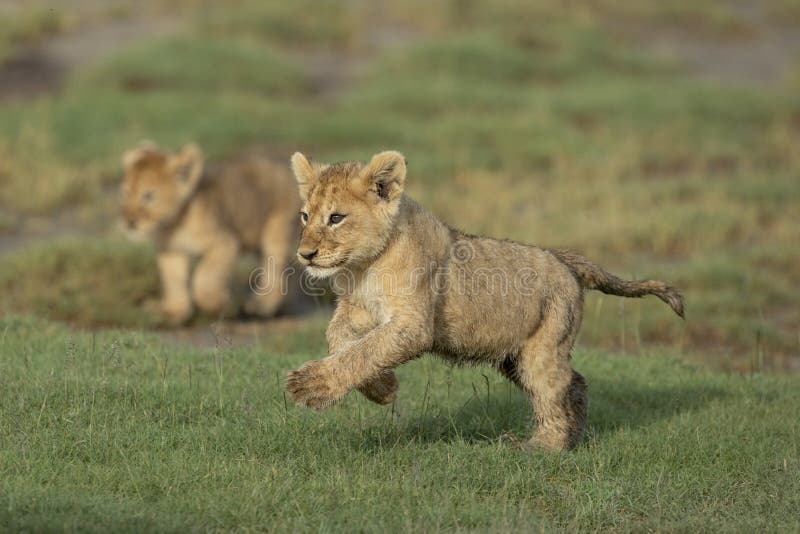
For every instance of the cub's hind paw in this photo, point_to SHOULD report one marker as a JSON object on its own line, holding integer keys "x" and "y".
{"x": 381, "y": 390}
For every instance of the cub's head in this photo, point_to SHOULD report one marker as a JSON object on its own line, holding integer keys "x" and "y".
{"x": 157, "y": 186}
{"x": 349, "y": 210}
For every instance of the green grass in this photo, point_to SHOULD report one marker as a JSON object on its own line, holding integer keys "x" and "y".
{"x": 120, "y": 431}
{"x": 519, "y": 119}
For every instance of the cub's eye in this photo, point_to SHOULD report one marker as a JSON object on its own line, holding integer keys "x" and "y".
{"x": 304, "y": 217}
{"x": 335, "y": 218}
{"x": 148, "y": 196}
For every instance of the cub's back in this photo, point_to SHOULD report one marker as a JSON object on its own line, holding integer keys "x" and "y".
{"x": 496, "y": 295}
{"x": 249, "y": 191}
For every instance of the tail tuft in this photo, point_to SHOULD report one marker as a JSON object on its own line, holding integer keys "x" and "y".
{"x": 669, "y": 295}
{"x": 592, "y": 276}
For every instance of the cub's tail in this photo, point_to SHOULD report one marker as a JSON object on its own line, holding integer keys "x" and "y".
{"x": 592, "y": 276}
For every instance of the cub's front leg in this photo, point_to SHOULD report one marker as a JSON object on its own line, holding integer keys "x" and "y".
{"x": 211, "y": 280}
{"x": 318, "y": 384}
{"x": 348, "y": 324}
{"x": 175, "y": 304}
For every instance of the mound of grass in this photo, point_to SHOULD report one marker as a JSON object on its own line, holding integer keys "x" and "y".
{"x": 84, "y": 282}
{"x": 200, "y": 65}
{"x": 299, "y": 24}
{"x": 117, "y": 431}
{"x": 20, "y": 26}
{"x": 35, "y": 179}
{"x": 99, "y": 283}
{"x": 468, "y": 59}
{"x": 487, "y": 57}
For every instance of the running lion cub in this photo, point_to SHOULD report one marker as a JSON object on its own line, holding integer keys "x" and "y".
{"x": 410, "y": 284}
{"x": 189, "y": 212}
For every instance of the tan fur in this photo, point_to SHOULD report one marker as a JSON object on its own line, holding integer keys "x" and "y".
{"x": 214, "y": 215}
{"x": 409, "y": 284}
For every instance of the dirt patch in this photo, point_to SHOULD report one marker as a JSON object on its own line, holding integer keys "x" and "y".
{"x": 244, "y": 332}
{"x": 239, "y": 333}
{"x": 30, "y": 73}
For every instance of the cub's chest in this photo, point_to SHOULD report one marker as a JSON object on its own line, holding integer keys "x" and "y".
{"x": 185, "y": 241}
{"x": 196, "y": 233}
{"x": 372, "y": 296}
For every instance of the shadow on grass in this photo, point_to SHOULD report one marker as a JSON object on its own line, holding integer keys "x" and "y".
{"x": 506, "y": 414}
{"x": 615, "y": 404}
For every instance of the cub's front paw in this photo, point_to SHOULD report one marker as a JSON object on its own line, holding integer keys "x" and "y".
{"x": 262, "y": 306}
{"x": 215, "y": 304}
{"x": 313, "y": 386}
{"x": 167, "y": 313}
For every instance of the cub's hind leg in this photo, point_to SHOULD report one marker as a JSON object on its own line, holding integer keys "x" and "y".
{"x": 558, "y": 393}
{"x": 508, "y": 368}
{"x": 270, "y": 289}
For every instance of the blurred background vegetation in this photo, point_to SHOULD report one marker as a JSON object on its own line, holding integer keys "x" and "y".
{"x": 661, "y": 138}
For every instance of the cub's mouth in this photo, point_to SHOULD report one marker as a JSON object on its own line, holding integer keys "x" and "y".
{"x": 323, "y": 269}
{"x": 324, "y": 265}
{"x": 320, "y": 273}
{"x": 133, "y": 232}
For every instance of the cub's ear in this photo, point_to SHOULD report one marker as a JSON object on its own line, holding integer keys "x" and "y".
{"x": 133, "y": 156}
{"x": 385, "y": 175}
{"x": 304, "y": 172}
{"x": 187, "y": 166}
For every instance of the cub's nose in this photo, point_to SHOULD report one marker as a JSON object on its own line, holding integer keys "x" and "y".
{"x": 308, "y": 255}
{"x": 131, "y": 223}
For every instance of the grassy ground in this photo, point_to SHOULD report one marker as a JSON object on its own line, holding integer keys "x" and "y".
{"x": 519, "y": 119}
{"x": 116, "y": 431}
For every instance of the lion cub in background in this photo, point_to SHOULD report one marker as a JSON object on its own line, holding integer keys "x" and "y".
{"x": 190, "y": 212}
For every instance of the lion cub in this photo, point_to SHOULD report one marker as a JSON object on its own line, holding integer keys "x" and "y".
{"x": 409, "y": 284}
{"x": 189, "y": 212}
